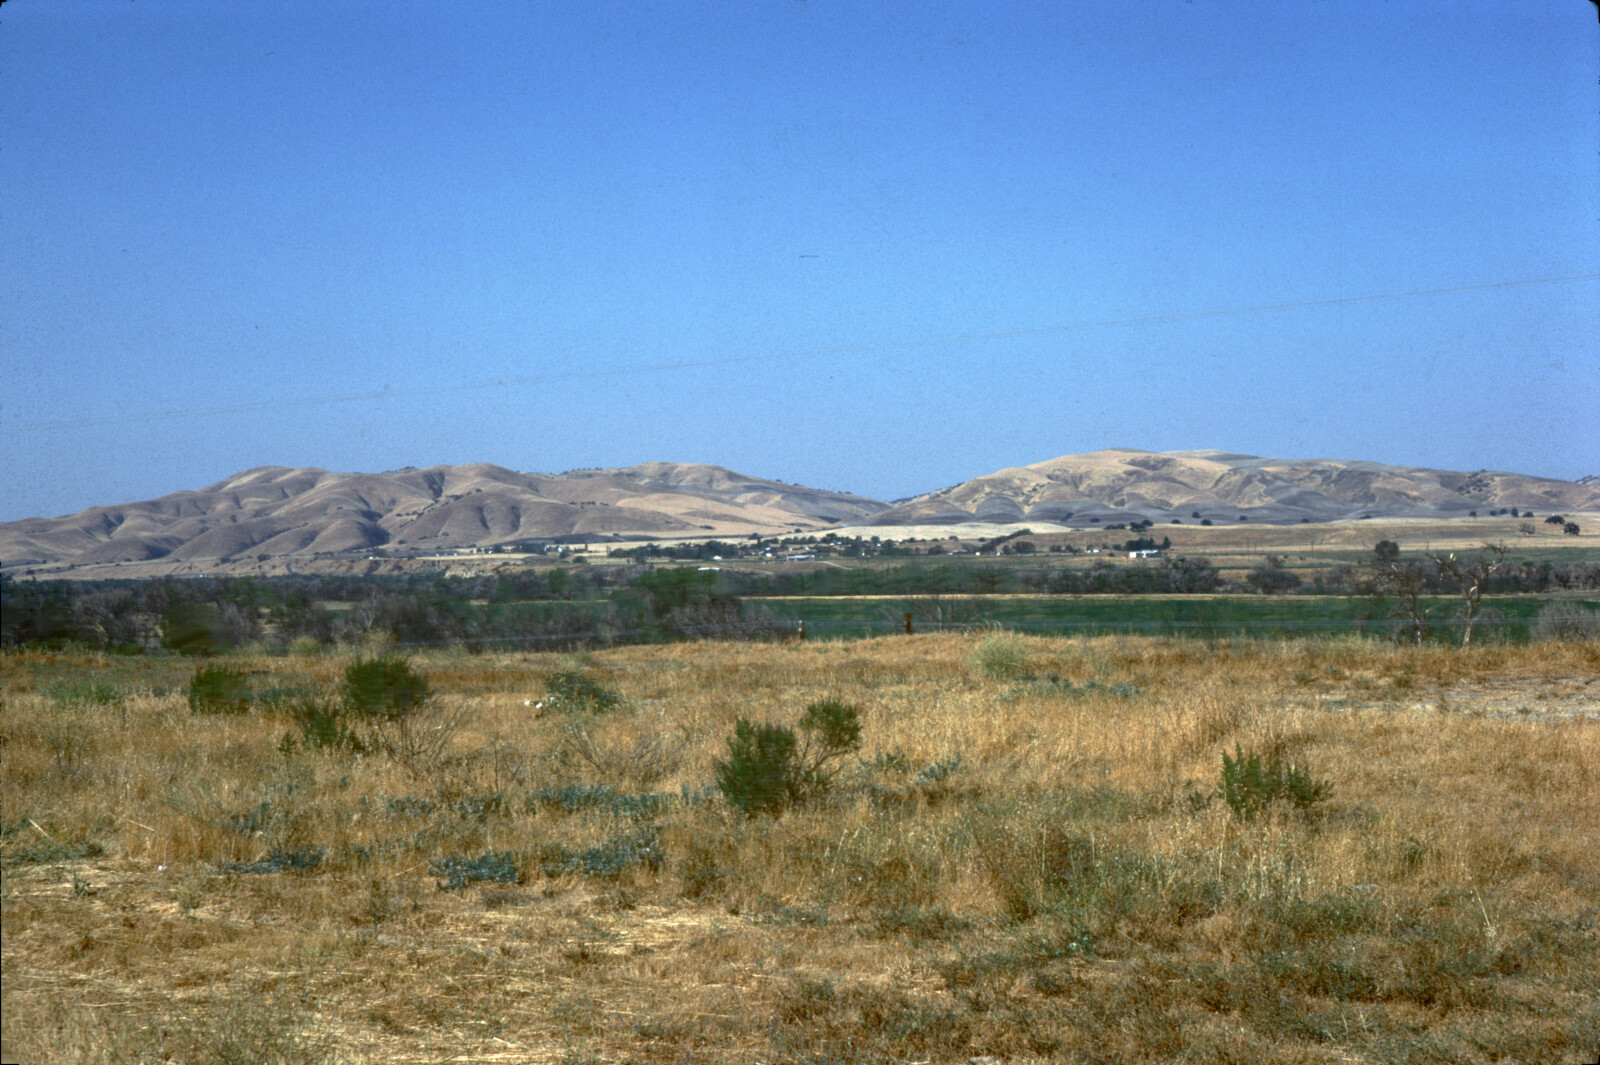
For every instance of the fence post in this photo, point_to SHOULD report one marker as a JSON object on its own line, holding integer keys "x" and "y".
{"x": 908, "y": 624}
{"x": 802, "y": 630}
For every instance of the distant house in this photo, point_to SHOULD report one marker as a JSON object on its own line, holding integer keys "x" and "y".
{"x": 799, "y": 558}
{"x": 1147, "y": 553}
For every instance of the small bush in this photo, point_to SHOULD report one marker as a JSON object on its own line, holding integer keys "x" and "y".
{"x": 385, "y": 687}
{"x": 1249, "y": 787}
{"x": 768, "y": 768}
{"x": 1566, "y": 621}
{"x": 572, "y": 692}
{"x": 835, "y": 725}
{"x": 999, "y": 657}
{"x": 304, "y": 646}
{"x": 324, "y": 726}
{"x": 83, "y": 692}
{"x": 496, "y": 867}
{"x": 608, "y": 860}
{"x": 219, "y": 690}
{"x": 759, "y": 774}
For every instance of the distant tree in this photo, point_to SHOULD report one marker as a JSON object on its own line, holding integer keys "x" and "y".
{"x": 1190, "y": 575}
{"x": 1405, "y": 581}
{"x": 1527, "y": 528}
{"x": 1272, "y": 577}
{"x": 1571, "y": 528}
{"x": 1472, "y": 577}
{"x": 1555, "y": 519}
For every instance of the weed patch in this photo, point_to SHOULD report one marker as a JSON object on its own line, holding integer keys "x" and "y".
{"x": 84, "y": 691}
{"x": 498, "y": 867}
{"x": 1062, "y": 687}
{"x": 219, "y": 689}
{"x": 280, "y": 860}
{"x": 608, "y": 860}
{"x": 383, "y": 688}
{"x": 1249, "y": 787}
{"x": 570, "y": 691}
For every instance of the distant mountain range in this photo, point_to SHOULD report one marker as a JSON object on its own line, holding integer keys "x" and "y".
{"x": 275, "y": 515}
{"x": 1121, "y": 483}
{"x": 280, "y": 513}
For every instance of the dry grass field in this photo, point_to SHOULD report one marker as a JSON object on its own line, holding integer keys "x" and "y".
{"x": 1027, "y": 859}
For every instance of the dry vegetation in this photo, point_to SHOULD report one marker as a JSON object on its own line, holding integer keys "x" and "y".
{"x": 1027, "y": 860}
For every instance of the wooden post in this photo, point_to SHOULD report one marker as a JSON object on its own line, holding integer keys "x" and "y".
{"x": 908, "y": 624}
{"x": 802, "y": 630}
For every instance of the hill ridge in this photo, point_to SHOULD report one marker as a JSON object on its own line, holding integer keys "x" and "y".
{"x": 279, "y": 513}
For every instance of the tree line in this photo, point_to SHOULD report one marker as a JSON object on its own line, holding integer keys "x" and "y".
{"x": 575, "y": 605}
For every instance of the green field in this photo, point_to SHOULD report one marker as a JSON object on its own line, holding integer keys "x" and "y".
{"x": 1505, "y": 617}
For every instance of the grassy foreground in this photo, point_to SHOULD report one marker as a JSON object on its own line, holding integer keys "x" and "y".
{"x": 1028, "y": 860}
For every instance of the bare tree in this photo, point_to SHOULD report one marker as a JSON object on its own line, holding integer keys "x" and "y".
{"x": 1406, "y": 581}
{"x": 1472, "y": 577}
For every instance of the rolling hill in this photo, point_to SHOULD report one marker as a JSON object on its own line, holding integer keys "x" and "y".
{"x": 267, "y": 519}
{"x": 279, "y": 513}
{"x": 1122, "y": 484}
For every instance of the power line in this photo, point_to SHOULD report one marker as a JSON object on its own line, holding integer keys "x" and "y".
{"x": 816, "y": 353}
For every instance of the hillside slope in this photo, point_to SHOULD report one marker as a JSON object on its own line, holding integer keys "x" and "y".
{"x": 277, "y": 512}
{"x": 1124, "y": 484}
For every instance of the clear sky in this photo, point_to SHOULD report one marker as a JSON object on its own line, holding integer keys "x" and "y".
{"x": 880, "y": 247}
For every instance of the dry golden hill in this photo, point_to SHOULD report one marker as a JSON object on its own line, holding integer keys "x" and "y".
{"x": 276, "y": 512}
{"x": 1120, "y": 484}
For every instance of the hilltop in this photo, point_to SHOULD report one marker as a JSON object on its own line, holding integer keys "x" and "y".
{"x": 279, "y": 513}
{"x": 274, "y": 517}
{"x": 1124, "y": 483}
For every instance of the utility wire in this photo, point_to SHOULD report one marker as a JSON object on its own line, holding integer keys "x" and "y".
{"x": 740, "y": 360}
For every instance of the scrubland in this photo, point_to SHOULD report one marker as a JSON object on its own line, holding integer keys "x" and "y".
{"x": 1027, "y": 858}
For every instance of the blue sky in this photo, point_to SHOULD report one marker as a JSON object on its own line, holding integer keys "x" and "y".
{"x": 876, "y": 247}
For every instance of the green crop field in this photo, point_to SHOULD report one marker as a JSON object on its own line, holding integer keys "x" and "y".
{"x": 1204, "y": 616}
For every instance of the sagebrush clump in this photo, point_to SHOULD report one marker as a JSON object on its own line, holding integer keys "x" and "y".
{"x": 769, "y": 768}
{"x": 385, "y": 687}
{"x": 1249, "y": 787}
{"x": 219, "y": 690}
{"x": 574, "y": 692}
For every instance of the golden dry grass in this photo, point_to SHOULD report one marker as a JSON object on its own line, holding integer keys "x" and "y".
{"x": 1069, "y": 890}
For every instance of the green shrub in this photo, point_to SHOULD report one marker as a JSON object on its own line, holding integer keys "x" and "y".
{"x": 759, "y": 774}
{"x": 768, "y": 768}
{"x": 219, "y": 690}
{"x": 1250, "y": 787}
{"x": 832, "y": 725}
{"x": 324, "y": 726}
{"x": 999, "y": 657}
{"x": 607, "y": 860}
{"x": 493, "y": 866}
{"x": 572, "y": 692}
{"x": 84, "y": 691}
{"x": 385, "y": 687}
